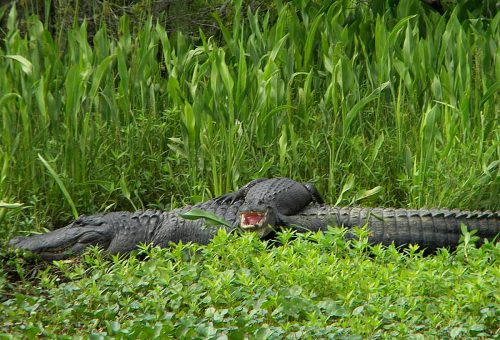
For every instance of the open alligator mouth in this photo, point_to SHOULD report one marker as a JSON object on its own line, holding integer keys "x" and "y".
{"x": 251, "y": 220}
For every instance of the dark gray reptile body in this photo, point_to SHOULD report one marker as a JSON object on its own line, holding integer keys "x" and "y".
{"x": 279, "y": 201}
{"x": 430, "y": 228}
{"x": 121, "y": 232}
{"x": 281, "y": 194}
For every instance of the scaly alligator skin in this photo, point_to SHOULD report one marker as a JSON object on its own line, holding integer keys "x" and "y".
{"x": 265, "y": 199}
{"x": 429, "y": 228}
{"x": 122, "y": 232}
{"x": 260, "y": 206}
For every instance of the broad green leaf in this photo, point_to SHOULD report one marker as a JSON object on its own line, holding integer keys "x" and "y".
{"x": 376, "y": 148}
{"x": 210, "y": 218}
{"x": 311, "y": 38}
{"x": 348, "y": 185}
{"x": 242, "y": 74}
{"x": 398, "y": 27}
{"x": 283, "y": 147}
{"x": 225, "y": 32}
{"x": 74, "y": 92}
{"x": 493, "y": 90}
{"x": 189, "y": 121}
{"x": 277, "y": 48}
{"x": 26, "y": 65}
{"x": 41, "y": 99}
{"x": 356, "y": 109}
{"x": 125, "y": 191}
{"x": 367, "y": 193}
{"x": 428, "y": 127}
{"x": 227, "y": 79}
{"x": 99, "y": 74}
{"x": 8, "y": 96}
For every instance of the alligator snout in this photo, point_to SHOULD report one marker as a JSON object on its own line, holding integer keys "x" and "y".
{"x": 15, "y": 241}
{"x": 259, "y": 222}
{"x": 252, "y": 219}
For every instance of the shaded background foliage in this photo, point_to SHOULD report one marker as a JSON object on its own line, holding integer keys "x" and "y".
{"x": 174, "y": 15}
{"x": 191, "y": 15}
{"x": 378, "y": 102}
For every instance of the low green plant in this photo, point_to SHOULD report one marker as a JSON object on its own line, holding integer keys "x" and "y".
{"x": 316, "y": 285}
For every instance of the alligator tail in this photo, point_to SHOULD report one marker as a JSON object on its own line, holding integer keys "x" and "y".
{"x": 430, "y": 228}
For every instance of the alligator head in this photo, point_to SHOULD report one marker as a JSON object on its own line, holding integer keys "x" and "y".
{"x": 97, "y": 230}
{"x": 268, "y": 200}
{"x": 260, "y": 220}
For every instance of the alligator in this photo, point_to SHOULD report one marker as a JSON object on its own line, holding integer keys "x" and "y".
{"x": 250, "y": 208}
{"x": 262, "y": 206}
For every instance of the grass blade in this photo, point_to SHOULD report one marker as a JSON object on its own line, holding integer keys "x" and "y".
{"x": 59, "y": 182}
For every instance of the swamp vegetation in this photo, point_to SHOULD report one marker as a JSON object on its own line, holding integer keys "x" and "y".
{"x": 377, "y": 105}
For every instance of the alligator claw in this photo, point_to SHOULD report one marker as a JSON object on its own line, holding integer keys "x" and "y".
{"x": 228, "y": 198}
{"x": 239, "y": 194}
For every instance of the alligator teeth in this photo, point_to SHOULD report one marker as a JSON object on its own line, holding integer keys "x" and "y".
{"x": 251, "y": 219}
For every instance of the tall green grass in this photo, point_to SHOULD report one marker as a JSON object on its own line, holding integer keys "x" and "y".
{"x": 394, "y": 108}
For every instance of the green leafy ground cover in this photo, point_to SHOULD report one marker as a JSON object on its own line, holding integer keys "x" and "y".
{"x": 378, "y": 106}
{"x": 313, "y": 286}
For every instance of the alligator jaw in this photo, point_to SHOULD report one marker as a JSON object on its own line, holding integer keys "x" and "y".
{"x": 252, "y": 219}
{"x": 61, "y": 243}
{"x": 62, "y": 252}
{"x": 255, "y": 221}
